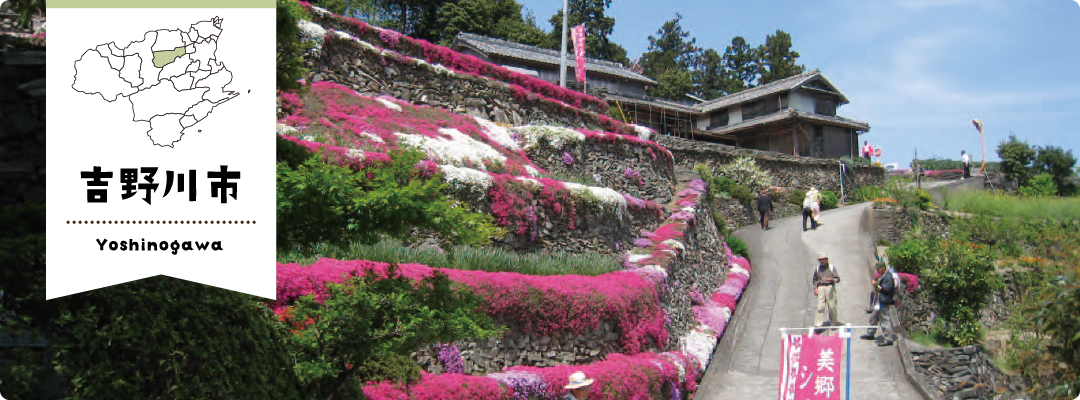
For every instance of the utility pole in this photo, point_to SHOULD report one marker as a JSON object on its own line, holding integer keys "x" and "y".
{"x": 562, "y": 56}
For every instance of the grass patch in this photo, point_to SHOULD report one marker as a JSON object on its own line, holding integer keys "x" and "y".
{"x": 1002, "y": 205}
{"x": 884, "y": 242}
{"x": 925, "y": 339}
{"x": 464, "y": 258}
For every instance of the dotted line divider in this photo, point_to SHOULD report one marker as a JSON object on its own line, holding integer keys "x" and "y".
{"x": 143, "y": 222}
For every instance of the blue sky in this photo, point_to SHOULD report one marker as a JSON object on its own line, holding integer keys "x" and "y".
{"x": 918, "y": 71}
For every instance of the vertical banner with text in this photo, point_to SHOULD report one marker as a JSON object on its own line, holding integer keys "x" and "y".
{"x": 579, "y": 51}
{"x": 160, "y": 145}
{"x": 810, "y": 367}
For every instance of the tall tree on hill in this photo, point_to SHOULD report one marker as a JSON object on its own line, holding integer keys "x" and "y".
{"x": 598, "y": 28}
{"x": 495, "y": 18}
{"x": 1057, "y": 162}
{"x": 710, "y": 76}
{"x": 671, "y": 49}
{"x": 741, "y": 64}
{"x": 416, "y": 18}
{"x": 777, "y": 59}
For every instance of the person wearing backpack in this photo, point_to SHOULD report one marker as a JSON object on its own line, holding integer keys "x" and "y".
{"x": 882, "y": 316}
{"x": 808, "y": 212}
{"x": 824, "y": 281}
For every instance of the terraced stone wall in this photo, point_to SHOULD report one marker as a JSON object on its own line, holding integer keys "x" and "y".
{"x": 373, "y": 71}
{"x": 22, "y": 126}
{"x": 787, "y": 170}
{"x": 630, "y": 168}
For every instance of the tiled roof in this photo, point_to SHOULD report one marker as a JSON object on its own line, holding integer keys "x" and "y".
{"x": 506, "y": 48}
{"x": 782, "y": 85}
{"x": 658, "y": 103}
{"x": 789, "y": 113}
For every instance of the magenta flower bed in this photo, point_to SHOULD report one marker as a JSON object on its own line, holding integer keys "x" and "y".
{"x": 362, "y": 122}
{"x": 613, "y": 137}
{"x": 540, "y": 304}
{"x": 440, "y": 387}
{"x": 619, "y": 377}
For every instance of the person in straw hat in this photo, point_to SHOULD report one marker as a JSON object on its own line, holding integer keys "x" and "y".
{"x": 825, "y": 280}
{"x": 579, "y": 387}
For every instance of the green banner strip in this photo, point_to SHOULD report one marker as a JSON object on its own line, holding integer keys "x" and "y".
{"x": 161, "y": 4}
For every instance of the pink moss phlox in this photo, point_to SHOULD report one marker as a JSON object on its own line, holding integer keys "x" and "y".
{"x": 712, "y": 316}
{"x": 620, "y": 376}
{"x": 724, "y": 300}
{"x": 426, "y": 168}
{"x": 440, "y": 387}
{"x": 682, "y": 216}
{"x": 540, "y": 304}
{"x": 643, "y": 242}
{"x": 652, "y": 153}
{"x": 669, "y": 231}
{"x": 390, "y": 37}
{"x": 688, "y": 193}
{"x": 910, "y": 281}
{"x": 698, "y": 185}
{"x": 696, "y": 298}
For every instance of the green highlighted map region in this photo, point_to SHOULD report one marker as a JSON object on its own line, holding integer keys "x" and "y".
{"x": 166, "y": 57}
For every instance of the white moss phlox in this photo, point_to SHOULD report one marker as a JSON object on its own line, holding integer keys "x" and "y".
{"x": 531, "y": 182}
{"x": 320, "y": 10}
{"x": 283, "y": 129}
{"x": 643, "y": 132}
{"x": 498, "y": 134}
{"x": 739, "y": 270}
{"x": 312, "y": 32}
{"x": 610, "y": 200}
{"x": 456, "y": 150}
{"x": 557, "y": 137}
{"x": 465, "y": 178}
{"x": 634, "y": 258}
{"x": 699, "y": 344}
{"x": 675, "y": 244}
{"x": 308, "y": 138}
{"x": 355, "y": 153}
{"x": 389, "y": 103}
{"x": 531, "y": 171}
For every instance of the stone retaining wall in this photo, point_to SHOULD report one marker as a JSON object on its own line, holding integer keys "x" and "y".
{"x": 918, "y": 310}
{"x": 787, "y": 170}
{"x": 372, "y": 71}
{"x": 22, "y": 126}
{"x": 963, "y": 373}
{"x": 892, "y": 222}
{"x": 610, "y": 162}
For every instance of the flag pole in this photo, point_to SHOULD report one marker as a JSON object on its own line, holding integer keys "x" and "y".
{"x": 848, "y": 379}
{"x": 562, "y": 58}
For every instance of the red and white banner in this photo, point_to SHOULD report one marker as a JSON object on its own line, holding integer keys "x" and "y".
{"x": 810, "y": 367}
{"x": 579, "y": 51}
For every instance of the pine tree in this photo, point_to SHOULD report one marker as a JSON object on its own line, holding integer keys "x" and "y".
{"x": 740, "y": 63}
{"x": 671, "y": 54}
{"x": 776, "y": 58}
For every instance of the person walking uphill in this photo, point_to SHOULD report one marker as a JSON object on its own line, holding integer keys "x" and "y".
{"x": 815, "y": 203}
{"x": 808, "y": 212}
{"x": 764, "y": 206}
{"x": 824, "y": 281}
{"x": 886, "y": 286}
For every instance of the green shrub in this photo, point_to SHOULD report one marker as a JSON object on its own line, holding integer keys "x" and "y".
{"x": 738, "y": 246}
{"x": 960, "y": 281}
{"x": 923, "y": 200}
{"x": 1042, "y": 185}
{"x": 910, "y": 256}
{"x": 867, "y": 193}
{"x": 322, "y": 203}
{"x": 22, "y": 290}
{"x": 829, "y": 200}
{"x": 797, "y": 197}
{"x": 721, "y": 223}
{"x": 290, "y": 153}
{"x": 367, "y": 320}
{"x": 743, "y": 194}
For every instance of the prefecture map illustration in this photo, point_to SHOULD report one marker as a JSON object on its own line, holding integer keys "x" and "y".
{"x": 171, "y": 77}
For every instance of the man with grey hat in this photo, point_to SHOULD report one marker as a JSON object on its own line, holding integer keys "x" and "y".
{"x": 824, "y": 281}
{"x": 579, "y": 387}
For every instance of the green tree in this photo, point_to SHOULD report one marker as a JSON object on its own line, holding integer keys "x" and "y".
{"x": 598, "y": 29}
{"x": 740, "y": 61}
{"x": 710, "y": 76}
{"x": 322, "y": 203}
{"x": 961, "y": 281}
{"x": 673, "y": 84}
{"x": 1039, "y": 185}
{"x": 1055, "y": 161}
{"x": 1016, "y": 158}
{"x": 366, "y": 327}
{"x": 290, "y": 51}
{"x": 494, "y": 18}
{"x": 776, "y": 58}
{"x": 671, "y": 52}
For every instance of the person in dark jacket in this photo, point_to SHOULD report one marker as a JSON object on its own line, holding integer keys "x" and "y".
{"x": 882, "y": 316}
{"x": 764, "y": 205}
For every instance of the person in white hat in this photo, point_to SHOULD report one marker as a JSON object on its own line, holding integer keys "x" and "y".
{"x": 579, "y": 387}
{"x": 825, "y": 280}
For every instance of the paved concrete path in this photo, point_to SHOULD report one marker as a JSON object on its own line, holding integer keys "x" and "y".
{"x": 746, "y": 363}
